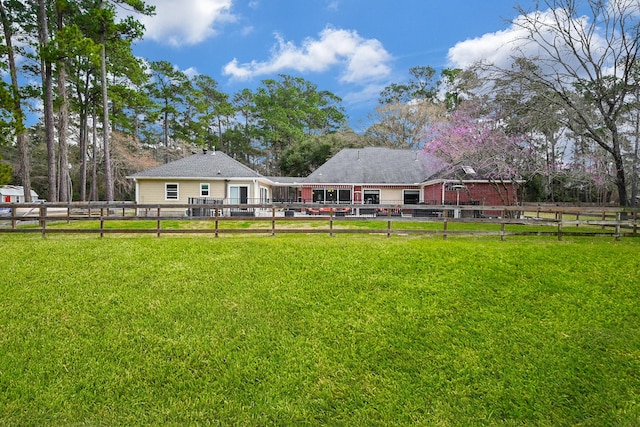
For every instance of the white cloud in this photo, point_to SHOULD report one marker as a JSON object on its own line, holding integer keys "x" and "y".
{"x": 364, "y": 60}
{"x": 333, "y": 5}
{"x": 191, "y": 72}
{"x": 494, "y": 48}
{"x": 500, "y": 47}
{"x": 186, "y": 22}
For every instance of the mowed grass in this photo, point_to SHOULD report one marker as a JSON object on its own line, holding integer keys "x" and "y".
{"x": 314, "y": 330}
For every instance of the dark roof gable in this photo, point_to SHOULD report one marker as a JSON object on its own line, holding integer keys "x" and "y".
{"x": 211, "y": 164}
{"x": 377, "y": 165}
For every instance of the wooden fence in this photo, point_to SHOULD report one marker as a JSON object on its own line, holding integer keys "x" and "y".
{"x": 131, "y": 218}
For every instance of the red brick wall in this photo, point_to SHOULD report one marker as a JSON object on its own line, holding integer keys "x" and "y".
{"x": 484, "y": 193}
{"x": 433, "y": 194}
{"x": 307, "y": 194}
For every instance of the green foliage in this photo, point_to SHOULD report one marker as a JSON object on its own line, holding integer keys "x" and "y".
{"x": 419, "y": 87}
{"x": 318, "y": 331}
{"x": 290, "y": 108}
{"x": 168, "y": 88}
{"x": 6, "y": 171}
{"x": 302, "y": 158}
{"x": 6, "y": 117}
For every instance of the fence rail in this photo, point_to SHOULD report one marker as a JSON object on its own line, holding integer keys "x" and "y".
{"x": 286, "y": 218}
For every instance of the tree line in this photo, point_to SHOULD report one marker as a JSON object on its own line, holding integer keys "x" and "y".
{"x": 564, "y": 119}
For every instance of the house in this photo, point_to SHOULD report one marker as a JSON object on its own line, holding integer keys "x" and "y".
{"x": 462, "y": 184}
{"x": 205, "y": 177}
{"x": 367, "y": 176}
{"x": 15, "y": 194}
{"x": 373, "y": 175}
{"x": 379, "y": 175}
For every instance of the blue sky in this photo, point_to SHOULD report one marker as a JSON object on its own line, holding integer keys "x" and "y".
{"x": 353, "y": 48}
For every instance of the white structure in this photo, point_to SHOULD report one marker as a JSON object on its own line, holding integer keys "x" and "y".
{"x": 14, "y": 194}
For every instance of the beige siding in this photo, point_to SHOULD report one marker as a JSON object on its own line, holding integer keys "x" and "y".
{"x": 390, "y": 196}
{"x": 152, "y": 191}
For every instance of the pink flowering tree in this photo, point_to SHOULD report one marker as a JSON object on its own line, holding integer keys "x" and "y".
{"x": 477, "y": 136}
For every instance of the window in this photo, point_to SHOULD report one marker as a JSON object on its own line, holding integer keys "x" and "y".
{"x": 264, "y": 195}
{"x": 344, "y": 196}
{"x": 318, "y": 195}
{"x": 372, "y": 197}
{"x": 411, "y": 197}
{"x": 204, "y": 190}
{"x": 171, "y": 191}
{"x": 238, "y": 194}
{"x": 331, "y": 195}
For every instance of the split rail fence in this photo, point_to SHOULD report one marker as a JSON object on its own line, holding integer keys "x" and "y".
{"x": 216, "y": 219}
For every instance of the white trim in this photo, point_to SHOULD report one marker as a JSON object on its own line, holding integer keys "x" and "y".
{"x": 364, "y": 198}
{"x": 208, "y": 189}
{"x": 166, "y": 191}
{"x": 420, "y": 193}
{"x": 239, "y": 201}
{"x": 268, "y": 194}
{"x": 200, "y": 178}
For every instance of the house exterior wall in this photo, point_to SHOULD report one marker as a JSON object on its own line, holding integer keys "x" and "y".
{"x": 483, "y": 193}
{"x": 15, "y": 194}
{"x": 153, "y": 191}
{"x": 389, "y": 195}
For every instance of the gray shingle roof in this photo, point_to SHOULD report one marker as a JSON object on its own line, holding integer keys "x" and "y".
{"x": 214, "y": 164}
{"x": 376, "y": 165}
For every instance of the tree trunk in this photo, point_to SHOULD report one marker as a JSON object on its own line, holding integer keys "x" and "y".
{"x": 635, "y": 162}
{"x": 17, "y": 113}
{"x": 64, "y": 183}
{"x": 621, "y": 181}
{"x": 83, "y": 98}
{"x": 93, "y": 190}
{"x": 108, "y": 174}
{"x": 616, "y": 152}
{"x": 47, "y": 89}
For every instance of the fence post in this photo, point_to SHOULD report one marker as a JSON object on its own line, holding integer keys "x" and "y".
{"x": 444, "y": 225}
{"x": 559, "y": 218}
{"x": 216, "y": 221}
{"x": 331, "y": 222}
{"x": 273, "y": 220}
{"x": 14, "y": 212}
{"x": 43, "y": 221}
{"x": 502, "y": 232}
{"x": 618, "y": 219}
{"x": 101, "y": 222}
{"x": 388, "y": 223}
{"x": 159, "y": 223}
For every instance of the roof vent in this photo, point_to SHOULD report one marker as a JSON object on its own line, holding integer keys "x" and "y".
{"x": 468, "y": 170}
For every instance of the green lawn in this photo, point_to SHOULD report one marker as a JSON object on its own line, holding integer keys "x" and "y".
{"x": 314, "y": 330}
